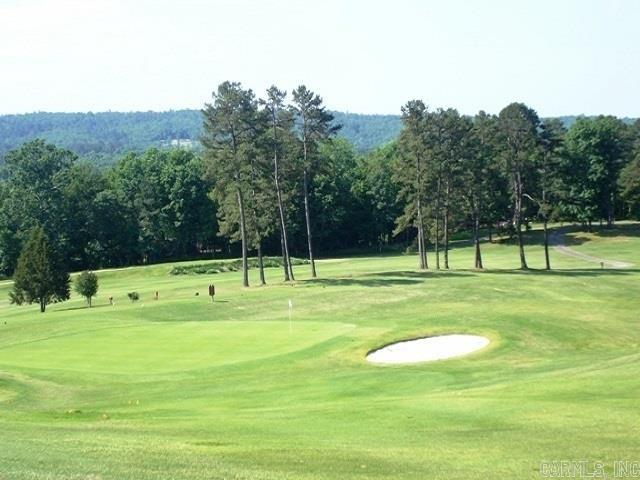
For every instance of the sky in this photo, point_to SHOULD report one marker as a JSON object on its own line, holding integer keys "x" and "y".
{"x": 560, "y": 57}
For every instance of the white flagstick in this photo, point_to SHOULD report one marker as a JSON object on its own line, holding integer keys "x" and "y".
{"x": 290, "y": 322}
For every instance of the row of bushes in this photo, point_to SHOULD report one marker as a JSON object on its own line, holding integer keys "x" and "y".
{"x": 221, "y": 266}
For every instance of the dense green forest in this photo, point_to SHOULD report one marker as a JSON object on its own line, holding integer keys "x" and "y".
{"x": 273, "y": 176}
{"x": 103, "y": 137}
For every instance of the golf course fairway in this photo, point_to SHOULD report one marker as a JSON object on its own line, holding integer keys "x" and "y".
{"x": 244, "y": 388}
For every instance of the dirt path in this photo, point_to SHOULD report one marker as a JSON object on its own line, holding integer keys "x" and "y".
{"x": 557, "y": 240}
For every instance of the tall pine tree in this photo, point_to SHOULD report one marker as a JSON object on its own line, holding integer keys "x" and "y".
{"x": 315, "y": 126}
{"x": 411, "y": 174}
{"x": 229, "y": 141}
{"x": 519, "y": 133}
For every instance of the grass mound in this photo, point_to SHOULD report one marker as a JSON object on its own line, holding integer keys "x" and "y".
{"x": 221, "y": 266}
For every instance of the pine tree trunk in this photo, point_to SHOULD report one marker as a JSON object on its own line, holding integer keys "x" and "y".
{"x": 436, "y": 243}
{"x": 283, "y": 227}
{"x": 546, "y": 246}
{"x": 420, "y": 256}
{"x": 523, "y": 260}
{"x": 260, "y": 263}
{"x": 476, "y": 239}
{"x": 43, "y": 305}
{"x": 293, "y": 278}
{"x": 437, "y": 218}
{"x": 445, "y": 228}
{"x": 285, "y": 259}
{"x": 424, "y": 245}
{"x": 423, "y": 249}
{"x": 421, "y": 252}
{"x": 89, "y": 302}
{"x": 243, "y": 234}
{"x": 610, "y": 211}
{"x": 307, "y": 216}
{"x": 518, "y": 219}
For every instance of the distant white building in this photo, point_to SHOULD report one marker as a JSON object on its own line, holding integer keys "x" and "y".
{"x": 182, "y": 143}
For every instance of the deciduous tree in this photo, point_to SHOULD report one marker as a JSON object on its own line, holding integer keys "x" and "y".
{"x": 86, "y": 284}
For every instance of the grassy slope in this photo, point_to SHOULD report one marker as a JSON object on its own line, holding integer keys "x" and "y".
{"x": 182, "y": 388}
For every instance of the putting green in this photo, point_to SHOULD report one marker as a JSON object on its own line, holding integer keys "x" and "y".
{"x": 155, "y": 348}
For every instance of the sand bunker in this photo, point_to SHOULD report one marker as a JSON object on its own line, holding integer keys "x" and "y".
{"x": 428, "y": 349}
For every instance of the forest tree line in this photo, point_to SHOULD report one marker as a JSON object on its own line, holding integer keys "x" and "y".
{"x": 273, "y": 178}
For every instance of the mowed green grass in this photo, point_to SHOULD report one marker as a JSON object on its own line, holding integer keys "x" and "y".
{"x": 183, "y": 388}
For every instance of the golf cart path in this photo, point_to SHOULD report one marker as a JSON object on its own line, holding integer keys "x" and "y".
{"x": 557, "y": 240}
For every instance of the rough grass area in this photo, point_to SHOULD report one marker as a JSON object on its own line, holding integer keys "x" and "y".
{"x": 186, "y": 388}
{"x": 235, "y": 265}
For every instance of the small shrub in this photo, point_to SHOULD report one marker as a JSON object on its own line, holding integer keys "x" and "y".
{"x": 133, "y": 296}
{"x": 87, "y": 285}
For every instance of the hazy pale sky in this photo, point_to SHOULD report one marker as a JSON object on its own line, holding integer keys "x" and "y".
{"x": 364, "y": 56}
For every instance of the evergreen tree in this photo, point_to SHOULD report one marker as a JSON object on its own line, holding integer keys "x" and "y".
{"x": 229, "y": 140}
{"x": 478, "y": 175}
{"x": 278, "y": 135}
{"x": 315, "y": 126}
{"x": 40, "y": 275}
{"x": 411, "y": 174}
{"x": 451, "y": 149}
{"x": 519, "y": 134}
{"x": 548, "y": 172}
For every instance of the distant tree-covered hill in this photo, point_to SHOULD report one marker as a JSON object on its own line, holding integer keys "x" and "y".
{"x": 101, "y": 137}
{"x": 367, "y": 132}
{"x": 569, "y": 120}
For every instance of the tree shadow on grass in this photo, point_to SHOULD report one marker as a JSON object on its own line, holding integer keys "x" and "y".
{"x": 360, "y": 282}
{"x": 409, "y": 277}
{"x": 626, "y": 230}
{"x": 424, "y": 274}
{"x": 386, "y": 279}
{"x": 83, "y": 307}
{"x": 574, "y": 272}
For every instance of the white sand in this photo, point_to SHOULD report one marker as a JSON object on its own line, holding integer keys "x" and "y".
{"x": 428, "y": 349}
